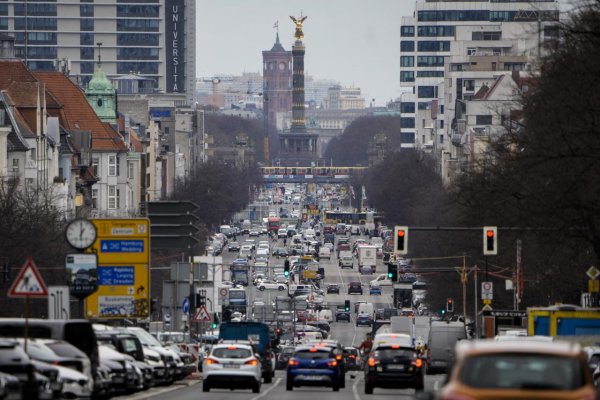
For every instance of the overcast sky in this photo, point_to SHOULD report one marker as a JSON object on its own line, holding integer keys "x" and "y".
{"x": 356, "y": 42}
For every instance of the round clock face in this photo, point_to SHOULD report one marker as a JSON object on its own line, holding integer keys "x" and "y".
{"x": 81, "y": 233}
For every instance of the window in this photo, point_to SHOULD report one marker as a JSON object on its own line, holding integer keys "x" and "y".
{"x": 469, "y": 84}
{"x": 430, "y": 74}
{"x": 140, "y": 25}
{"x": 407, "y": 31}
{"x": 113, "y": 165}
{"x": 15, "y": 165}
{"x": 424, "y": 105}
{"x": 483, "y": 120}
{"x": 407, "y": 122}
{"x": 435, "y": 30}
{"x": 407, "y": 61}
{"x": 130, "y": 170}
{"x": 86, "y": 24}
{"x": 145, "y": 39}
{"x": 433, "y": 45}
{"x": 407, "y": 76}
{"x": 113, "y": 197}
{"x": 86, "y": 10}
{"x": 407, "y": 45}
{"x": 94, "y": 198}
{"x": 430, "y": 61}
{"x": 138, "y": 11}
{"x": 86, "y": 53}
{"x": 86, "y": 38}
{"x": 86, "y": 67}
{"x": 407, "y": 108}
{"x": 486, "y": 35}
{"x": 427, "y": 92}
{"x": 146, "y": 68}
{"x": 453, "y": 15}
{"x": 407, "y": 137}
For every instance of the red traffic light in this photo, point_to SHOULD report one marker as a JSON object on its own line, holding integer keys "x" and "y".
{"x": 401, "y": 233}
{"x": 449, "y": 300}
{"x": 490, "y": 233}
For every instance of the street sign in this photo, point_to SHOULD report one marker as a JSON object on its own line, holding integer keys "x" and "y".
{"x": 487, "y": 291}
{"x": 202, "y": 315}
{"x": 592, "y": 272}
{"x": 223, "y": 292}
{"x": 123, "y": 249}
{"x": 593, "y": 286}
{"x": 185, "y": 306}
{"x": 172, "y": 224}
{"x": 58, "y": 302}
{"x": 29, "y": 282}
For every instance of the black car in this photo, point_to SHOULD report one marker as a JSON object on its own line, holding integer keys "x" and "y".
{"x": 394, "y": 367}
{"x": 355, "y": 287}
{"x": 281, "y": 252}
{"x": 342, "y": 315}
{"x": 333, "y": 288}
{"x": 233, "y": 246}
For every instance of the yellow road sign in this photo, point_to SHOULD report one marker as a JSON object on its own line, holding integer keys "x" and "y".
{"x": 123, "y": 249}
{"x": 593, "y": 286}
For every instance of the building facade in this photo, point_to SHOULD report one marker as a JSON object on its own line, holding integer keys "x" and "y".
{"x": 154, "y": 39}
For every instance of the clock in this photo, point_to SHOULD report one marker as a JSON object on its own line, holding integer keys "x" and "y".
{"x": 81, "y": 233}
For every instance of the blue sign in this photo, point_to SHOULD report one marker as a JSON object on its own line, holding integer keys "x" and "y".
{"x": 121, "y": 246}
{"x": 185, "y": 307}
{"x": 114, "y": 276}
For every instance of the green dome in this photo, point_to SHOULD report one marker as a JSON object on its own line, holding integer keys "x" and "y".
{"x": 100, "y": 83}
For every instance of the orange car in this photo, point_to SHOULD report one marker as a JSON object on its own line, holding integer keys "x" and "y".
{"x": 524, "y": 369}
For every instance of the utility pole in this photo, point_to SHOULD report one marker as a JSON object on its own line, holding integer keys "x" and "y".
{"x": 463, "y": 281}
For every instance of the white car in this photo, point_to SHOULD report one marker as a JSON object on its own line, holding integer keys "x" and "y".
{"x": 381, "y": 280}
{"x": 271, "y": 285}
{"x": 231, "y": 366}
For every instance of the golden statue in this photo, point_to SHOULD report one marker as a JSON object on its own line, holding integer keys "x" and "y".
{"x": 299, "y": 35}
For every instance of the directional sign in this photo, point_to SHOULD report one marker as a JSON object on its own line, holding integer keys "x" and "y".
{"x": 29, "y": 282}
{"x": 202, "y": 315}
{"x": 123, "y": 248}
{"x": 58, "y": 302}
{"x": 173, "y": 224}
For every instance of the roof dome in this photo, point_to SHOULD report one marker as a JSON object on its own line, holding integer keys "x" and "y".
{"x": 100, "y": 83}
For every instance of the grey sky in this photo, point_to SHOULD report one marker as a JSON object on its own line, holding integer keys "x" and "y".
{"x": 356, "y": 42}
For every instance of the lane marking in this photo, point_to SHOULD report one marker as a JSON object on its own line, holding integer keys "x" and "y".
{"x": 354, "y": 390}
{"x": 436, "y": 385}
{"x": 268, "y": 390}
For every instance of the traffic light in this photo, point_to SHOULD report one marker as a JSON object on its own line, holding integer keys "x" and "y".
{"x": 286, "y": 268}
{"x": 392, "y": 272}
{"x": 401, "y": 240}
{"x": 278, "y": 333}
{"x": 197, "y": 301}
{"x": 215, "y": 321}
{"x": 450, "y": 305}
{"x": 490, "y": 240}
{"x": 347, "y": 305}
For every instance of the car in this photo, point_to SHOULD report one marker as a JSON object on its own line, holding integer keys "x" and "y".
{"x": 382, "y": 280}
{"x": 355, "y": 287}
{"x": 232, "y": 366}
{"x": 393, "y": 366}
{"x": 282, "y": 233}
{"x": 313, "y": 365}
{"x": 271, "y": 285}
{"x": 524, "y": 369}
{"x": 281, "y": 252}
{"x": 364, "y": 319}
{"x": 374, "y": 289}
{"x": 333, "y": 288}
{"x": 254, "y": 232}
{"x": 14, "y": 361}
{"x": 284, "y": 356}
{"x": 325, "y": 252}
{"x": 352, "y": 359}
{"x": 341, "y": 314}
{"x": 233, "y": 246}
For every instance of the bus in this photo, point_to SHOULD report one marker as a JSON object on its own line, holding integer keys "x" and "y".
{"x": 273, "y": 224}
{"x": 239, "y": 273}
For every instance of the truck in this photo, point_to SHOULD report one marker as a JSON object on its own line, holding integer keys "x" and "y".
{"x": 259, "y": 335}
{"x": 565, "y": 321}
{"x": 403, "y": 294}
{"x": 367, "y": 256}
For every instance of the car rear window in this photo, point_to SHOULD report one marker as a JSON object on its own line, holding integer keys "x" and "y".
{"x": 312, "y": 355}
{"x": 226, "y": 352}
{"x": 392, "y": 353}
{"x": 522, "y": 371}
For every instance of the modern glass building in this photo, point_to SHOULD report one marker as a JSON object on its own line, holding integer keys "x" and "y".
{"x": 154, "y": 39}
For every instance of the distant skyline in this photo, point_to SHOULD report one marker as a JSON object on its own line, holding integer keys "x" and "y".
{"x": 355, "y": 42}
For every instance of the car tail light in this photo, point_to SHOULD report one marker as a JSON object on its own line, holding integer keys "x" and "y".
{"x": 338, "y": 357}
{"x": 332, "y": 363}
{"x": 372, "y": 362}
{"x": 210, "y": 361}
{"x": 293, "y": 363}
{"x": 251, "y": 362}
{"x": 418, "y": 363}
{"x": 352, "y": 356}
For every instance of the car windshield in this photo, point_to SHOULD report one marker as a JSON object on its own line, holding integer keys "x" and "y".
{"x": 146, "y": 338}
{"x": 237, "y": 294}
{"x": 231, "y": 352}
{"x": 522, "y": 371}
{"x": 312, "y": 355}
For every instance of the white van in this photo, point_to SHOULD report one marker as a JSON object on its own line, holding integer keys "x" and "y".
{"x": 365, "y": 309}
{"x": 387, "y": 339}
{"x": 325, "y": 252}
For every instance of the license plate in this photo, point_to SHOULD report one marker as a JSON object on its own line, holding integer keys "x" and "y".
{"x": 311, "y": 377}
{"x": 232, "y": 366}
{"x": 395, "y": 367}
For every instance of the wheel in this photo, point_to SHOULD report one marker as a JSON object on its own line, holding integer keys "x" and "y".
{"x": 262, "y": 288}
{"x": 288, "y": 386}
{"x": 336, "y": 387}
{"x": 205, "y": 387}
{"x": 281, "y": 288}
{"x": 368, "y": 389}
{"x": 256, "y": 387}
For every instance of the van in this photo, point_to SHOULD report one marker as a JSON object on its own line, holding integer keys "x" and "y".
{"x": 325, "y": 252}
{"x": 298, "y": 290}
{"x": 441, "y": 341}
{"x": 365, "y": 314}
{"x": 246, "y": 225}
